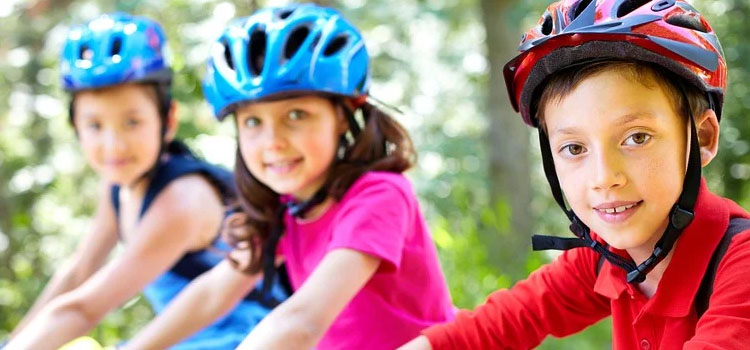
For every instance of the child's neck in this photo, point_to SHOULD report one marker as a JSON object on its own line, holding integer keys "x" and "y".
{"x": 649, "y": 286}
{"x": 136, "y": 190}
{"x": 317, "y": 211}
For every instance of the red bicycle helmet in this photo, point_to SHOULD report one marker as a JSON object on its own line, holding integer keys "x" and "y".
{"x": 669, "y": 33}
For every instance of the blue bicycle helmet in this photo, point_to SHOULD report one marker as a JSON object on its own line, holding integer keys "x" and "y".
{"x": 278, "y": 50}
{"x": 113, "y": 49}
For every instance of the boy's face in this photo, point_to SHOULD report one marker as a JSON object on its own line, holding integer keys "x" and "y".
{"x": 120, "y": 131}
{"x": 619, "y": 149}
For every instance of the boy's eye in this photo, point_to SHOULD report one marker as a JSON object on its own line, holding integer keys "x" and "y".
{"x": 296, "y": 114}
{"x": 251, "y": 122}
{"x": 573, "y": 149}
{"x": 638, "y": 138}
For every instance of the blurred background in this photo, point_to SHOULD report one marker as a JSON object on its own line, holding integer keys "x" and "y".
{"x": 479, "y": 176}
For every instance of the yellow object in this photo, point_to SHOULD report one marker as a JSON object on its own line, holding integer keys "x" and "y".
{"x": 82, "y": 343}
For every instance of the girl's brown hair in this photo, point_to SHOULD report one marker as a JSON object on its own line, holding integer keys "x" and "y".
{"x": 383, "y": 145}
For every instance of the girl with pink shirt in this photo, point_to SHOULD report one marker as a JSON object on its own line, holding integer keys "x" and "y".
{"x": 319, "y": 170}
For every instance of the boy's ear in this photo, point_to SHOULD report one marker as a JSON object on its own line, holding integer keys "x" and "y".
{"x": 707, "y": 126}
{"x": 172, "y": 122}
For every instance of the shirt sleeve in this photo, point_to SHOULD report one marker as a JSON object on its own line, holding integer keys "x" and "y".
{"x": 374, "y": 219}
{"x": 726, "y": 322}
{"x": 558, "y": 299}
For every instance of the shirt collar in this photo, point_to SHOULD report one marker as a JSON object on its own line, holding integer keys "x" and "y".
{"x": 692, "y": 252}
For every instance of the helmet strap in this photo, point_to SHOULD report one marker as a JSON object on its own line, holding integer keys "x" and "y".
{"x": 295, "y": 209}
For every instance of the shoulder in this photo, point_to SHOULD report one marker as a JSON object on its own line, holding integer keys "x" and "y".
{"x": 189, "y": 197}
{"x": 190, "y": 191}
{"x": 189, "y": 207}
{"x": 738, "y": 253}
{"x": 378, "y": 184}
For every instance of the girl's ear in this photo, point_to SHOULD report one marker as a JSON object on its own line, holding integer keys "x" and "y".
{"x": 172, "y": 123}
{"x": 341, "y": 121}
{"x": 707, "y": 126}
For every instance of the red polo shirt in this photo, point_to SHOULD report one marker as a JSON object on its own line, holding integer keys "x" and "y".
{"x": 566, "y": 296}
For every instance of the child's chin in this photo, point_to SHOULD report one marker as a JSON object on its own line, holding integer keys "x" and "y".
{"x": 623, "y": 242}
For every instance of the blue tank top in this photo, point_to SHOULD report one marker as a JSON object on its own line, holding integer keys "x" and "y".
{"x": 230, "y": 330}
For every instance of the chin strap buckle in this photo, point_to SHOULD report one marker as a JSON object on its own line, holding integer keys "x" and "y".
{"x": 681, "y": 218}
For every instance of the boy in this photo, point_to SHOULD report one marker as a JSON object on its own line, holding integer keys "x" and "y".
{"x": 627, "y": 97}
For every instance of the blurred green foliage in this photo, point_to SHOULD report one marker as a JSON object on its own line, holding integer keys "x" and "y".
{"x": 429, "y": 60}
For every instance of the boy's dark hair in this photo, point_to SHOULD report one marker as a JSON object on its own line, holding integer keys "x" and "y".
{"x": 382, "y": 145}
{"x": 560, "y": 84}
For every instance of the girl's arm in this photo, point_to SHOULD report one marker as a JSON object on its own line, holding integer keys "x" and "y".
{"x": 88, "y": 257}
{"x": 301, "y": 320}
{"x": 176, "y": 223}
{"x": 557, "y": 299}
{"x": 207, "y": 298}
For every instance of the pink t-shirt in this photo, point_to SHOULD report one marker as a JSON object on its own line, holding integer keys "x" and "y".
{"x": 379, "y": 215}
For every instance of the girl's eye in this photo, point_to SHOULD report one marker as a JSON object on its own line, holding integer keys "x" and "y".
{"x": 636, "y": 139}
{"x": 131, "y": 123}
{"x": 251, "y": 122}
{"x": 296, "y": 114}
{"x": 573, "y": 149}
{"x": 95, "y": 126}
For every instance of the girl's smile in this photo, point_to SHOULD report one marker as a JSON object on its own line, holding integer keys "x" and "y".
{"x": 290, "y": 144}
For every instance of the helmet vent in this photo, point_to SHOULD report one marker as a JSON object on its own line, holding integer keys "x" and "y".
{"x": 547, "y": 25}
{"x": 284, "y": 14}
{"x": 227, "y": 55}
{"x": 116, "y": 46}
{"x": 315, "y": 42}
{"x": 257, "y": 56}
{"x": 629, "y": 6}
{"x": 295, "y": 40}
{"x": 335, "y": 45}
{"x": 688, "y": 21}
{"x": 580, "y": 7}
{"x": 85, "y": 53}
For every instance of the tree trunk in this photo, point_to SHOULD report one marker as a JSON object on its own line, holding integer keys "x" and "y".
{"x": 508, "y": 144}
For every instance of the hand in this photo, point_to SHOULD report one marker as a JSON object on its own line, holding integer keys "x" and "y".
{"x": 82, "y": 343}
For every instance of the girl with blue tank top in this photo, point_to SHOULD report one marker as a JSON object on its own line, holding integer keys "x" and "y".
{"x": 165, "y": 205}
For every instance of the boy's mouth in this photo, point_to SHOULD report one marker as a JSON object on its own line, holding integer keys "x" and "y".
{"x": 615, "y": 212}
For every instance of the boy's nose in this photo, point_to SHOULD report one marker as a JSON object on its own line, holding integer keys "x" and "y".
{"x": 608, "y": 171}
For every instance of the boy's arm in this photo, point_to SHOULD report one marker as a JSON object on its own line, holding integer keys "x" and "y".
{"x": 558, "y": 299}
{"x": 207, "y": 298}
{"x": 726, "y": 322}
{"x": 302, "y": 320}
{"x": 89, "y": 256}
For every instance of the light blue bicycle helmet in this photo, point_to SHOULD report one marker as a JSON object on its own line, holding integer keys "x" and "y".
{"x": 113, "y": 49}
{"x": 280, "y": 50}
